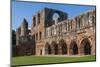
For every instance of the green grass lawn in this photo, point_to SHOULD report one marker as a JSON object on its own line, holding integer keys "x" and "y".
{"x": 49, "y": 59}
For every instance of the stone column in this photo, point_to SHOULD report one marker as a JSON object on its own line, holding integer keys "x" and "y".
{"x": 68, "y": 51}
{"x": 79, "y": 51}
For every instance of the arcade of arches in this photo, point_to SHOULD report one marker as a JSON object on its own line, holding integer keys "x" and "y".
{"x": 49, "y": 25}
{"x": 62, "y": 48}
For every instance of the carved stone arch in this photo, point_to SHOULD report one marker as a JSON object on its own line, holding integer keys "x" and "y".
{"x": 48, "y": 49}
{"x": 73, "y": 48}
{"x": 85, "y": 47}
{"x": 62, "y": 15}
{"x": 49, "y": 20}
{"x": 62, "y": 47}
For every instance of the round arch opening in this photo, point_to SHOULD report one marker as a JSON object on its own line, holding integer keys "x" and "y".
{"x": 55, "y": 48}
{"x": 85, "y": 47}
{"x": 63, "y": 47}
{"x": 48, "y": 49}
{"x": 73, "y": 48}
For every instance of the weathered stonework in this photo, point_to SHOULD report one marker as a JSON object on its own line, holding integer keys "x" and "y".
{"x": 60, "y": 35}
{"x": 25, "y": 44}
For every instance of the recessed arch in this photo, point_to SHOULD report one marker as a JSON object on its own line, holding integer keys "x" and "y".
{"x": 86, "y": 47}
{"x": 55, "y": 47}
{"x": 48, "y": 49}
{"x": 73, "y": 48}
{"x": 63, "y": 47}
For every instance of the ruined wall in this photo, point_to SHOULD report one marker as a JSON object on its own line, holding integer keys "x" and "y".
{"x": 59, "y": 35}
{"x": 40, "y": 21}
{"x": 25, "y": 44}
{"x": 79, "y": 31}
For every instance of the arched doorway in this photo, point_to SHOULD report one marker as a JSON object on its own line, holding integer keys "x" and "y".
{"x": 55, "y": 48}
{"x": 85, "y": 47}
{"x": 73, "y": 48}
{"x": 63, "y": 47}
{"x": 47, "y": 49}
{"x": 40, "y": 51}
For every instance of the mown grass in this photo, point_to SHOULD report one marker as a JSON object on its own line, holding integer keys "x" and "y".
{"x": 26, "y": 60}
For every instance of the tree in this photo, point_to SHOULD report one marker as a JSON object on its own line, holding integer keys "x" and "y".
{"x": 13, "y": 37}
{"x": 14, "y": 47}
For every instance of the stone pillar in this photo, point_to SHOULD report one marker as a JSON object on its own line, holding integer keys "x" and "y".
{"x": 68, "y": 51}
{"x": 79, "y": 51}
{"x": 93, "y": 49}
